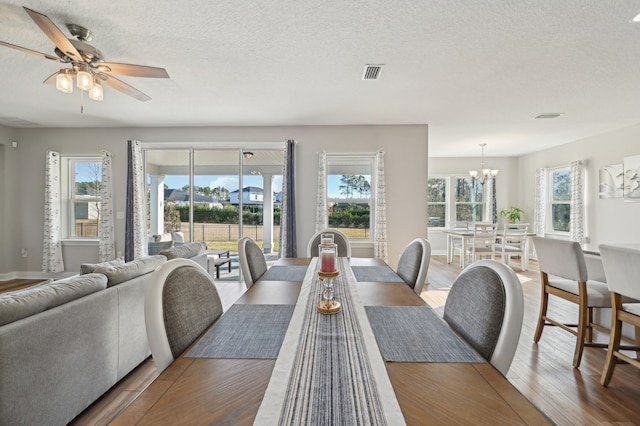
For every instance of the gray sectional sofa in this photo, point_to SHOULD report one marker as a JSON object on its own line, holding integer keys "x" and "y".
{"x": 65, "y": 343}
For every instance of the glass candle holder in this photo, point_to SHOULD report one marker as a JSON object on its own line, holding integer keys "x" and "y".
{"x": 327, "y": 254}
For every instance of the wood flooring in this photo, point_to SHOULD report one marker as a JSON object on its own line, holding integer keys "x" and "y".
{"x": 17, "y": 284}
{"x": 542, "y": 372}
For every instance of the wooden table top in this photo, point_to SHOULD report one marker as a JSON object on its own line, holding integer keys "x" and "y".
{"x": 229, "y": 391}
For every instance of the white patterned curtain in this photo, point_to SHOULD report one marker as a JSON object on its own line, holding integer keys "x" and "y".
{"x": 322, "y": 215}
{"x": 540, "y": 206}
{"x": 52, "y": 248}
{"x": 136, "y": 220}
{"x": 106, "y": 234}
{"x": 288, "y": 233}
{"x": 576, "y": 227}
{"x": 380, "y": 232}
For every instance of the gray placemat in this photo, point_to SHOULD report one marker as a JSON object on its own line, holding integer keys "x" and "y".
{"x": 245, "y": 331}
{"x": 417, "y": 334}
{"x": 285, "y": 273}
{"x": 376, "y": 274}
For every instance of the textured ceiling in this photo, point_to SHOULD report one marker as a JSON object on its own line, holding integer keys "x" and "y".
{"x": 476, "y": 71}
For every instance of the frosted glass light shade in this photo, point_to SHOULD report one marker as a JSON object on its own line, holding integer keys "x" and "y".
{"x": 85, "y": 80}
{"x": 64, "y": 81}
{"x": 96, "y": 92}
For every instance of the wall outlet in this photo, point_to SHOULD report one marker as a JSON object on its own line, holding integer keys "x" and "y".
{"x": 23, "y": 252}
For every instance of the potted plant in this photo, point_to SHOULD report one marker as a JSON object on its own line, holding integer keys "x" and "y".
{"x": 513, "y": 213}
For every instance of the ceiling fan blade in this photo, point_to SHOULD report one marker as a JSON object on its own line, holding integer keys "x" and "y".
{"x": 133, "y": 70}
{"x": 123, "y": 87}
{"x": 55, "y": 35}
{"x": 33, "y": 52}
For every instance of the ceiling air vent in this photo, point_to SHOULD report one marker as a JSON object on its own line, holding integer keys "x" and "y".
{"x": 372, "y": 72}
{"x": 549, "y": 115}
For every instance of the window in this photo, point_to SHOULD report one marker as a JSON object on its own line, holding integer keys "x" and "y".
{"x": 455, "y": 201}
{"x": 82, "y": 207}
{"x": 560, "y": 200}
{"x": 437, "y": 198}
{"x": 469, "y": 200}
{"x": 350, "y": 194}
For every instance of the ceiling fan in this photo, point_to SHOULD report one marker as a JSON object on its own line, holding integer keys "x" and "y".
{"x": 86, "y": 62}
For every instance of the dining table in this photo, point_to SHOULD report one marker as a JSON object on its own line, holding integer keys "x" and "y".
{"x": 385, "y": 358}
{"x": 464, "y": 235}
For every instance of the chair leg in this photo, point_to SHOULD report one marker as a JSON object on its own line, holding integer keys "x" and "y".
{"x": 637, "y": 341}
{"x": 544, "y": 302}
{"x": 614, "y": 344}
{"x": 583, "y": 326}
{"x": 589, "y": 333}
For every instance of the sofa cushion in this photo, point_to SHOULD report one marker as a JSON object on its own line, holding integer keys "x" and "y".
{"x": 87, "y": 268}
{"x": 24, "y": 303}
{"x": 186, "y": 251}
{"x": 121, "y": 273}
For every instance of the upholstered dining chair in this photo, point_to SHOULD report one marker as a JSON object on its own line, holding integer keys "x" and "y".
{"x": 181, "y": 302}
{"x": 513, "y": 242}
{"x": 340, "y": 239}
{"x": 252, "y": 261}
{"x": 414, "y": 264}
{"x": 483, "y": 243}
{"x": 564, "y": 274}
{"x": 485, "y": 306}
{"x": 622, "y": 268}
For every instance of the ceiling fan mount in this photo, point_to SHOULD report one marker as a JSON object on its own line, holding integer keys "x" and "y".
{"x": 85, "y": 58}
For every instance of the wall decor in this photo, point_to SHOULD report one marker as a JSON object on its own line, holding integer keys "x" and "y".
{"x": 632, "y": 178}
{"x": 611, "y": 181}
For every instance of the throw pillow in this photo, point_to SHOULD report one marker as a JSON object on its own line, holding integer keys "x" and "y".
{"x": 88, "y": 268}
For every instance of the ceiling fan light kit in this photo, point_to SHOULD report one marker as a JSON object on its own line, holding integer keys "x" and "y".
{"x": 86, "y": 62}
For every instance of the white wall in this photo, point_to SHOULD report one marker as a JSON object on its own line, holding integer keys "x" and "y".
{"x": 609, "y": 220}
{"x": 8, "y": 192}
{"x": 406, "y": 150}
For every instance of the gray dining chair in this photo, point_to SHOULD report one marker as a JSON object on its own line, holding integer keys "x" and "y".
{"x": 181, "y": 302}
{"x": 485, "y": 306}
{"x": 339, "y": 238}
{"x": 564, "y": 274}
{"x": 622, "y": 268}
{"x": 252, "y": 261}
{"x": 414, "y": 264}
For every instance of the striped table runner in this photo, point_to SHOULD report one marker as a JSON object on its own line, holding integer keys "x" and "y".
{"x": 329, "y": 370}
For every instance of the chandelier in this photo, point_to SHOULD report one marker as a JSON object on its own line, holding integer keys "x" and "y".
{"x": 484, "y": 173}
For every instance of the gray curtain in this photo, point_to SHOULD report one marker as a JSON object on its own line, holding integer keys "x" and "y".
{"x": 288, "y": 241}
{"x": 494, "y": 203}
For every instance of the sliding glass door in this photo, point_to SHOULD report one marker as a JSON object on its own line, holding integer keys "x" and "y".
{"x": 214, "y": 195}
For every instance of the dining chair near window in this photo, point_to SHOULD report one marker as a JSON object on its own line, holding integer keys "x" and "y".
{"x": 252, "y": 261}
{"x": 483, "y": 243}
{"x": 181, "y": 302}
{"x": 485, "y": 306}
{"x": 622, "y": 269}
{"x": 563, "y": 273}
{"x": 414, "y": 264}
{"x": 513, "y": 242}
{"x": 339, "y": 238}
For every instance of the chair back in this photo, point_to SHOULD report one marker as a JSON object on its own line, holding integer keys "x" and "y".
{"x": 340, "y": 239}
{"x": 622, "y": 269}
{"x": 485, "y": 307}
{"x": 181, "y": 302}
{"x": 514, "y": 236}
{"x": 414, "y": 264}
{"x": 484, "y": 236}
{"x": 252, "y": 261}
{"x": 561, "y": 258}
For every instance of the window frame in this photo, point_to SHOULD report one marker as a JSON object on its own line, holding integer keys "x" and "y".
{"x": 69, "y": 198}
{"x": 455, "y": 202}
{"x": 371, "y": 159}
{"x": 446, "y": 202}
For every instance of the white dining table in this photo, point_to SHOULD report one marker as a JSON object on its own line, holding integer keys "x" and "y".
{"x": 465, "y": 234}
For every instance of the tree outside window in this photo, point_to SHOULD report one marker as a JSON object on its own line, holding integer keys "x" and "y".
{"x": 85, "y": 197}
{"x": 469, "y": 200}
{"x": 560, "y": 202}
{"x": 437, "y": 197}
